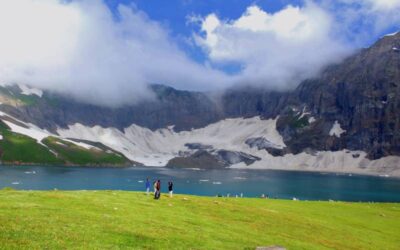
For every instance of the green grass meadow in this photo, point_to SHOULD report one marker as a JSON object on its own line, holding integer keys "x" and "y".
{"x": 16, "y": 148}
{"x": 132, "y": 220}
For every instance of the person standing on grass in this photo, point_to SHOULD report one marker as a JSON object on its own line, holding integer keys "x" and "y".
{"x": 170, "y": 188}
{"x": 158, "y": 189}
{"x": 155, "y": 188}
{"x": 147, "y": 186}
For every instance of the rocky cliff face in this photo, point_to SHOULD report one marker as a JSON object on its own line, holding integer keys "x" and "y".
{"x": 353, "y": 105}
{"x": 182, "y": 109}
{"x": 361, "y": 94}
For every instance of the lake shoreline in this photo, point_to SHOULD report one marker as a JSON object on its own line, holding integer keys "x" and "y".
{"x": 337, "y": 171}
{"x": 328, "y": 171}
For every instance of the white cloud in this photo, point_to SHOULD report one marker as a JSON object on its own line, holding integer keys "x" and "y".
{"x": 361, "y": 22}
{"x": 277, "y": 50}
{"x": 384, "y": 5}
{"x": 78, "y": 48}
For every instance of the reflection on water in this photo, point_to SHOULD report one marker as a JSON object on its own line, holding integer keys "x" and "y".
{"x": 250, "y": 183}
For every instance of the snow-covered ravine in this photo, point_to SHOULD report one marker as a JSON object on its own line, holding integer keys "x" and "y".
{"x": 156, "y": 148}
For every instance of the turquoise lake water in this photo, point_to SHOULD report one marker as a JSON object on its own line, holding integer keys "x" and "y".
{"x": 250, "y": 183}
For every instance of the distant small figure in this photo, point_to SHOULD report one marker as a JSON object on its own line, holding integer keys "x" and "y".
{"x": 170, "y": 188}
{"x": 263, "y": 196}
{"x": 158, "y": 190}
{"x": 155, "y": 188}
{"x": 147, "y": 186}
{"x": 241, "y": 195}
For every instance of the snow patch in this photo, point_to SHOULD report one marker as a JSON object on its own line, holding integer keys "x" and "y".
{"x": 26, "y": 90}
{"x": 60, "y": 143}
{"x": 311, "y": 120}
{"x": 304, "y": 113}
{"x": 81, "y": 144}
{"x": 336, "y": 130}
{"x": 392, "y": 34}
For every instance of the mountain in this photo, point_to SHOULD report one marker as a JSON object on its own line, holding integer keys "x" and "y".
{"x": 345, "y": 120}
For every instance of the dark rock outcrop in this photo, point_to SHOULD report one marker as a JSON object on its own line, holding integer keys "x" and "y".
{"x": 263, "y": 144}
{"x": 211, "y": 159}
{"x": 233, "y": 157}
{"x": 200, "y": 159}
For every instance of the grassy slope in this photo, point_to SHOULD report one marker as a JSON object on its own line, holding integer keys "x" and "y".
{"x": 20, "y": 148}
{"x": 114, "y": 220}
{"x": 74, "y": 154}
{"x": 17, "y": 148}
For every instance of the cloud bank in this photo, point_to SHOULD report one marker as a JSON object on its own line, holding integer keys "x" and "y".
{"x": 275, "y": 50}
{"x": 278, "y": 50}
{"x": 82, "y": 49}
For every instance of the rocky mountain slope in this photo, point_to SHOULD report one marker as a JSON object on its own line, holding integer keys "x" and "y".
{"x": 344, "y": 120}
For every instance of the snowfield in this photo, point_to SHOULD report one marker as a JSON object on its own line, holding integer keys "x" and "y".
{"x": 156, "y": 148}
{"x": 344, "y": 161}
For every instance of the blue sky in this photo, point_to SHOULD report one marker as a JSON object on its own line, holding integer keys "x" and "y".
{"x": 108, "y": 51}
{"x": 173, "y": 15}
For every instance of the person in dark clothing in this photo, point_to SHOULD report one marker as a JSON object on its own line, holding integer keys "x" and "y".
{"x": 158, "y": 190}
{"x": 170, "y": 188}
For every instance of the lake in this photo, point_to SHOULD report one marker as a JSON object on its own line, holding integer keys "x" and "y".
{"x": 251, "y": 183}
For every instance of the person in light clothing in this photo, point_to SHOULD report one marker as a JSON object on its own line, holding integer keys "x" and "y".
{"x": 147, "y": 186}
{"x": 155, "y": 188}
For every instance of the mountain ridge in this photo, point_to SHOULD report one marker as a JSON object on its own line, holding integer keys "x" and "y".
{"x": 351, "y": 106}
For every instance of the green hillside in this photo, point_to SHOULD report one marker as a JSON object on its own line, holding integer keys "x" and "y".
{"x": 17, "y": 148}
{"x": 132, "y": 220}
{"x": 71, "y": 153}
{"x": 20, "y": 149}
